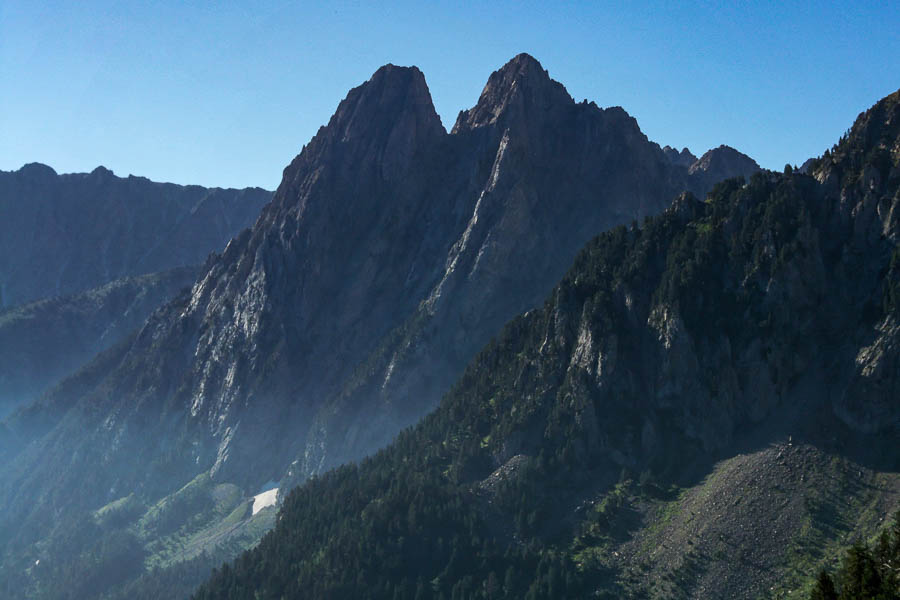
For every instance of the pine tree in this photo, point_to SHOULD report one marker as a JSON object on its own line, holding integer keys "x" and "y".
{"x": 824, "y": 588}
{"x": 860, "y": 580}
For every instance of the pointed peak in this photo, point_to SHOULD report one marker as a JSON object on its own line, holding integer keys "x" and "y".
{"x": 394, "y": 74}
{"x": 520, "y": 87}
{"x": 392, "y": 88}
{"x": 525, "y": 65}
{"x": 725, "y": 159}
{"x": 383, "y": 122}
{"x": 394, "y": 96}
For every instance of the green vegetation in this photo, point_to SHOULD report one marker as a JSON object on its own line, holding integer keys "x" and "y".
{"x": 866, "y": 573}
{"x": 129, "y": 551}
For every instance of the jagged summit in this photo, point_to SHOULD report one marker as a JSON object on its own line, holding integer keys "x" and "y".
{"x": 523, "y": 64}
{"x": 685, "y": 158}
{"x": 521, "y": 88}
{"x": 392, "y": 93}
{"x": 711, "y": 158}
{"x": 382, "y": 124}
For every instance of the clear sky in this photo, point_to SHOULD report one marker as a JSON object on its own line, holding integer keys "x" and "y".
{"x": 226, "y": 94}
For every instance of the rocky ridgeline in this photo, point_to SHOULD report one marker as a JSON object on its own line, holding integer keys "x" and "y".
{"x": 62, "y": 234}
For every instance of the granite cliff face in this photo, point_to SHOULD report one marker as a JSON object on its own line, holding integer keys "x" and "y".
{"x": 559, "y": 173}
{"x": 61, "y": 234}
{"x": 389, "y": 254}
{"x": 863, "y": 171}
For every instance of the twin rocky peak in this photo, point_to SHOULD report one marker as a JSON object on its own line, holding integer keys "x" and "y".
{"x": 391, "y": 118}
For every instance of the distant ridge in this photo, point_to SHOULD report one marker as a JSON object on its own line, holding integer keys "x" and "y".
{"x": 61, "y": 234}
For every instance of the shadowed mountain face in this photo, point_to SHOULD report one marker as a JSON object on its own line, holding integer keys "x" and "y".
{"x": 706, "y": 406}
{"x": 64, "y": 238}
{"x": 558, "y": 173}
{"x": 44, "y": 341}
{"x": 391, "y": 252}
{"x": 61, "y": 234}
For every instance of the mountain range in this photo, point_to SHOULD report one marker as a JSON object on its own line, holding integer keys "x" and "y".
{"x": 63, "y": 234}
{"x": 64, "y": 240}
{"x": 673, "y": 367}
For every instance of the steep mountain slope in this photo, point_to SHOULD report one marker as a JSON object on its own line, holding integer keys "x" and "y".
{"x": 703, "y": 404}
{"x": 43, "y": 341}
{"x": 559, "y": 173}
{"x": 390, "y": 253}
{"x": 61, "y": 234}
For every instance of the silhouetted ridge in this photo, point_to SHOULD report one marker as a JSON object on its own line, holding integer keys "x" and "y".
{"x": 37, "y": 170}
{"x": 102, "y": 171}
{"x": 684, "y": 158}
{"x": 720, "y": 163}
{"x": 65, "y": 233}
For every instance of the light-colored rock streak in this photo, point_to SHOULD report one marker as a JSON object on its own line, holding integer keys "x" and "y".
{"x": 460, "y": 246}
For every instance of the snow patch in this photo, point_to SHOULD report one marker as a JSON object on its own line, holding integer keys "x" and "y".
{"x": 261, "y": 501}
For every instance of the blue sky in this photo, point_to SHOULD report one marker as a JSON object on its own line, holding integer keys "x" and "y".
{"x": 227, "y": 93}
